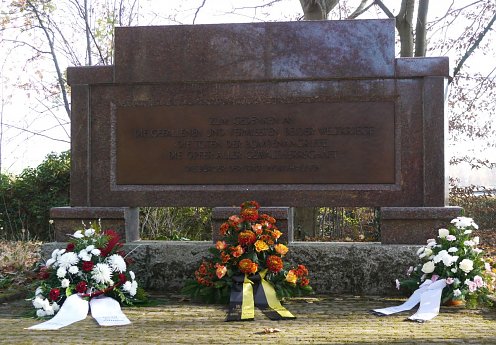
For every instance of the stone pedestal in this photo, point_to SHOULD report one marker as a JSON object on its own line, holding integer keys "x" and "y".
{"x": 283, "y": 215}
{"x": 414, "y": 225}
{"x": 124, "y": 220}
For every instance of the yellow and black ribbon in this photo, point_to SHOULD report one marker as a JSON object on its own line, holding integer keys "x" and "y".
{"x": 267, "y": 301}
{"x": 241, "y": 302}
{"x": 256, "y": 291}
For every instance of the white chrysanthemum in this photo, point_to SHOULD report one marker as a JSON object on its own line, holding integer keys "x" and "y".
{"x": 65, "y": 283}
{"x": 54, "y": 253}
{"x": 38, "y": 302}
{"x": 457, "y": 292}
{"x": 101, "y": 273}
{"x": 78, "y": 234}
{"x": 38, "y": 291}
{"x": 117, "y": 263}
{"x": 55, "y": 307}
{"x": 49, "y": 311}
{"x": 61, "y": 272}
{"x": 73, "y": 270}
{"x": 67, "y": 260}
{"x": 476, "y": 240}
{"x": 96, "y": 252}
{"x": 84, "y": 255}
{"x": 40, "y": 313}
{"x": 452, "y": 250}
{"x": 50, "y": 262}
{"x": 126, "y": 286}
{"x": 464, "y": 222}
{"x": 134, "y": 288}
{"x": 90, "y": 248}
{"x": 469, "y": 243}
{"x": 133, "y": 276}
{"x": 89, "y": 232}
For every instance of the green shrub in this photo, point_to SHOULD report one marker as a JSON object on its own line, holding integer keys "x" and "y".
{"x": 25, "y": 200}
{"x": 175, "y": 223}
{"x": 478, "y": 203}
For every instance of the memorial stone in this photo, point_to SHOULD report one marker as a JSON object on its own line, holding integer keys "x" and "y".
{"x": 289, "y": 114}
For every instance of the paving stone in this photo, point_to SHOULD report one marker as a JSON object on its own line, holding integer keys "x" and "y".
{"x": 327, "y": 319}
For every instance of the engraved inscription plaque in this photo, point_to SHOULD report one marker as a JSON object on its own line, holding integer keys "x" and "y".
{"x": 300, "y": 143}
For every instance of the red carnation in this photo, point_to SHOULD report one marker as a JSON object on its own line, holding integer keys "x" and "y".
{"x": 87, "y": 266}
{"x": 54, "y": 294}
{"x": 81, "y": 287}
{"x": 43, "y": 274}
{"x": 122, "y": 278}
{"x": 70, "y": 247}
{"x": 113, "y": 240}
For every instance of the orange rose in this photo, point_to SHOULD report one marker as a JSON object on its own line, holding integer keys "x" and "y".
{"x": 247, "y": 266}
{"x": 223, "y": 229}
{"x": 274, "y": 263}
{"x": 225, "y": 257}
{"x": 237, "y": 251}
{"x": 261, "y": 246}
{"x": 220, "y": 271}
{"x": 221, "y": 245}
{"x": 257, "y": 228}
{"x": 291, "y": 277}
{"x": 247, "y": 238}
{"x": 281, "y": 249}
{"x": 276, "y": 234}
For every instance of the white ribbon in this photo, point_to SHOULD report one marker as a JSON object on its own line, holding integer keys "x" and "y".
{"x": 429, "y": 296}
{"x": 73, "y": 310}
{"x": 105, "y": 310}
{"x": 430, "y": 302}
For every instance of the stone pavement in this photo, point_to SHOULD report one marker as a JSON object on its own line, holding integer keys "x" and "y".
{"x": 320, "y": 320}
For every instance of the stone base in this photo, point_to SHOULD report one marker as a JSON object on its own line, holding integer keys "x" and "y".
{"x": 356, "y": 268}
{"x": 283, "y": 215}
{"x": 414, "y": 225}
{"x": 124, "y": 220}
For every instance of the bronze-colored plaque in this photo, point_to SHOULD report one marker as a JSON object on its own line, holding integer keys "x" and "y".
{"x": 300, "y": 143}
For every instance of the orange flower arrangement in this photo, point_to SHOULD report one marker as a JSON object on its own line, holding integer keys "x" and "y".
{"x": 250, "y": 245}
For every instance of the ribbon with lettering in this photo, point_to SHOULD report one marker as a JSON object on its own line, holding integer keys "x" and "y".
{"x": 241, "y": 302}
{"x": 105, "y": 310}
{"x": 267, "y": 301}
{"x": 428, "y": 295}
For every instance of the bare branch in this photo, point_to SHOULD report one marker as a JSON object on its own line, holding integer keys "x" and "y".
{"x": 198, "y": 10}
{"x": 362, "y": 8}
{"x": 473, "y": 47}
{"x": 50, "y": 41}
{"x": 36, "y": 133}
{"x": 384, "y": 9}
{"x": 317, "y": 9}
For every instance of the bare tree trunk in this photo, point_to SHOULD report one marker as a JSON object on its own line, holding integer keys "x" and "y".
{"x": 53, "y": 53}
{"x": 317, "y": 9}
{"x": 404, "y": 24}
{"x": 88, "y": 32}
{"x": 420, "y": 29}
